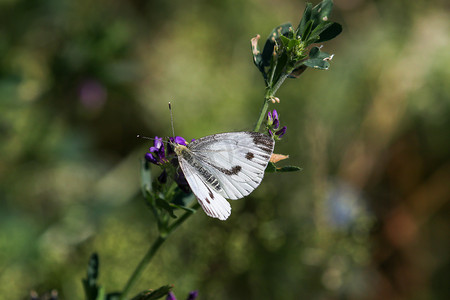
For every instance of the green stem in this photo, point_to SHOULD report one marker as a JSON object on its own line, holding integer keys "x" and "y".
{"x": 152, "y": 251}
{"x": 140, "y": 268}
{"x": 262, "y": 114}
{"x": 183, "y": 218}
{"x": 269, "y": 94}
{"x": 280, "y": 81}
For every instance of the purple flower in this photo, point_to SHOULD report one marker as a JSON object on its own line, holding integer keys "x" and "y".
{"x": 276, "y": 121}
{"x": 171, "y": 296}
{"x": 281, "y": 132}
{"x": 178, "y": 140}
{"x": 162, "y": 178}
{"x": 192, "y": 296}
{"x": 156, "y": 154}
{"x": 273, "y": 120}
{"x": 175, "y": 140}
{"x": 181, "y": 181}
{"x": 273, "y": 124}
{"x": 269, "y": 118}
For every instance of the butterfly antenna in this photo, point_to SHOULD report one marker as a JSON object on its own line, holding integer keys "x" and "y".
{"x": 171, "y": 119}
{"x": 171, "y": 123}
{"x": 144, "y": 137}
{"x": 149, "y": 138}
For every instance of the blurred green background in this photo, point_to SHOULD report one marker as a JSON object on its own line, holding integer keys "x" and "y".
{"x": 367, "y": 218}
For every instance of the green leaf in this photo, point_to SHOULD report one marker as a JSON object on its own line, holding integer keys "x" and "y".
{"x": 314, "y": 36}
{"x": 293, "y": 43}
{"x": 281, "y": 66}
{"x": 330, "y": 33}
{"x": 271, "y": 40}
{"x": 285, "y": 40}
{"x": 317, "y": 63}
{"x": 146, "y": 177}
{"x": 318, "y": 59}
{"x": 315, "y": 26}
{"x": 181, "y": 198}
{"x": 298, "y": 71}
{"x": 309, "y": 27}
{"x": 305, "y": 19}
{"x": 153, "y": 295}
{"x": 322, "y": 11}
{"x": 271, "y": 168}
{"x": 183, "y": 208}
{"x": 289, "y": 169}
{"x": 166, "y": 206}
{"x": 316, "y": 53}
{"x": 257, "y": 57}
{"x": 91, "y": 289}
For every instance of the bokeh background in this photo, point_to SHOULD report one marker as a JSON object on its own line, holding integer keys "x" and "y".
{"x": 367, "y": 218}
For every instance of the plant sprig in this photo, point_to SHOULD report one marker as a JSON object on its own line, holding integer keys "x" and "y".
{"x": 287, "y": 53}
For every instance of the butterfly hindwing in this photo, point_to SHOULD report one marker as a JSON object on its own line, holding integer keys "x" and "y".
{"x": 213, "y": 203}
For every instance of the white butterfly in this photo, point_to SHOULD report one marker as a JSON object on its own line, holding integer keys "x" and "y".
{"x": 224, "y": 166}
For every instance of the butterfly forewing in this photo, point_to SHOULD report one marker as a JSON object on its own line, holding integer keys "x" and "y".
{"x": 236, "y": 159}
{"x": 224, "y": 166}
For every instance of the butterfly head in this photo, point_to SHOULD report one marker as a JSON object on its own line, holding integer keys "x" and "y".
{"x": 180, "y": 149}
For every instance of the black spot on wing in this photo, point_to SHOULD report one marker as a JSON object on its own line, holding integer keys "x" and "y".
{"x": 233, "y": 171}
{"x": 205, "y": 208}
{"x": 262, "y": 141}
{"x": 211, "y": 195}
{"x": 265, "y": 149}
{"x": 249, "y": 156}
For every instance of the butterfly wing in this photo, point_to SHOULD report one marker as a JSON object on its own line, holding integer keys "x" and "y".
{"x": 236, "y": 159}
{"x": 213, "y": 203}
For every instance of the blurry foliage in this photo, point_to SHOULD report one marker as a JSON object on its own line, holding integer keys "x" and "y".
{"x": 366, "y": 219}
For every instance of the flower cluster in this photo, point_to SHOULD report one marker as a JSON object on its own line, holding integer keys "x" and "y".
{"x": 273, "y": 125}
{"x": 157, "y": 154}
